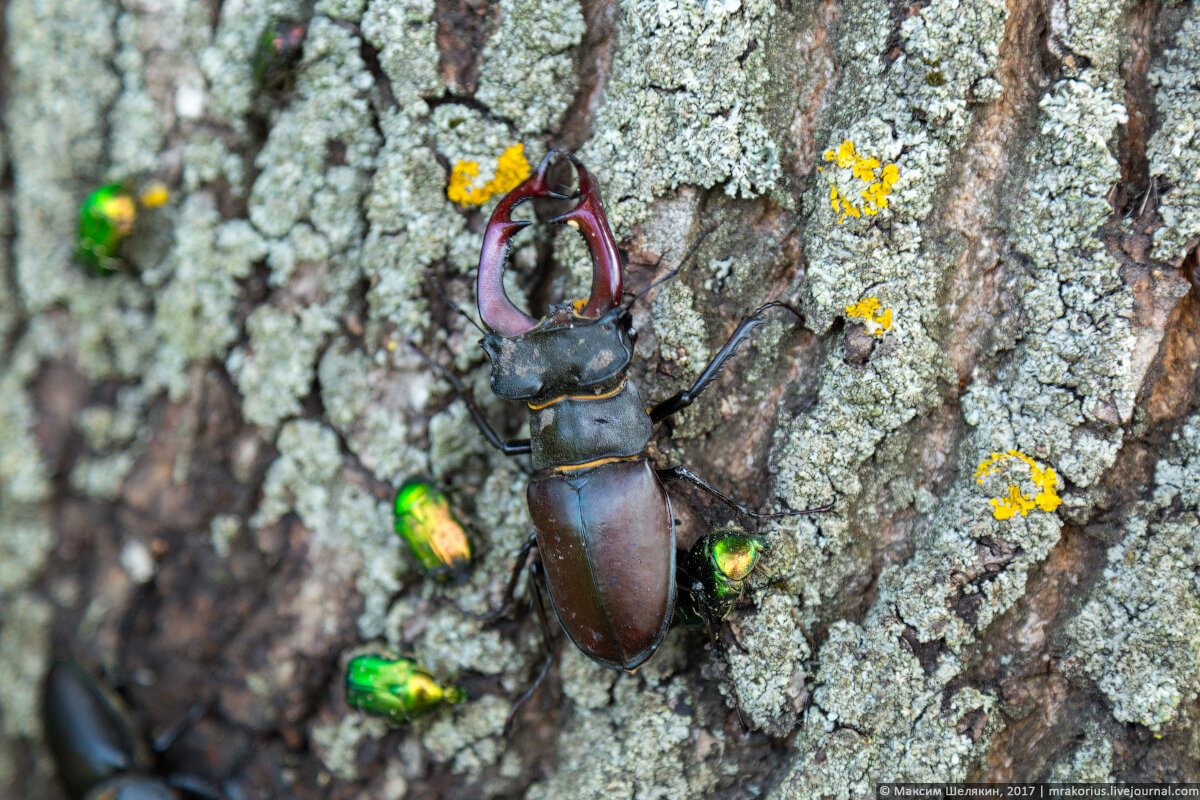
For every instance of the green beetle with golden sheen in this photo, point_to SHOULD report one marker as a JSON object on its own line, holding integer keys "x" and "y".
{"x": 395, "y": 688}
{"x": 714, "y": 573}
{"x": 427, "y": 522}
{"x": 277, "y": 53}
{"x": 106, "y": 218}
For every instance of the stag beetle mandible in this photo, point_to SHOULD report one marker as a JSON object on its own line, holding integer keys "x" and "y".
{"x": 605, "y": 534}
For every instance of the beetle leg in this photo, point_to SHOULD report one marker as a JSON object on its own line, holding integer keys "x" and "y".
{"x": 510, "y": 589}
{"x": 536, "y": 578}
{"x": 512, "y": 447}
{"x": 195, "y": 787}
{"x": 164, "y": 740}
{"x": 685, "y": 474}
{"x": 682, "y": 400}
{"x": 190, "y": 785}
{"x": 712, "y": 625}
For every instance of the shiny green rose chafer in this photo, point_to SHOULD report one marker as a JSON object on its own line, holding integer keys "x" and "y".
{"x": 396, "y": 688}
{"x": 714, "y": 574}
{"x": 106, "y": 218}
{"x": 426, "y": 521}
{"x": 279, "y": 48}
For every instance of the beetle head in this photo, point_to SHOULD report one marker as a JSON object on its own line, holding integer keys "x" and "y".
{"x": 497, "y": 311}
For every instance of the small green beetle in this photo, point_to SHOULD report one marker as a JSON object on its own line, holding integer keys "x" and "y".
{"x": 713, "y": 575}
{"x": 395, "y": 688}
{"x": 279, "y": 48}
{"x": 106, "y": 218}
{"x": 424, "y": 518}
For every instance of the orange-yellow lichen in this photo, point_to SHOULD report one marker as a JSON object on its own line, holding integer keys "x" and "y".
{"x": 155, "y": 194}
{"x": 877, "y": 320}
{"x": 511, "y": 169}
{"x": 864, "y": 169}
{"x": 1016, "y": 501}
{"x": 879, "y": 178}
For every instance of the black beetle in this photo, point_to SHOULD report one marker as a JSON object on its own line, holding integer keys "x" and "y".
{"x": 96, "y": 750}
{"x": 605, "y": 534}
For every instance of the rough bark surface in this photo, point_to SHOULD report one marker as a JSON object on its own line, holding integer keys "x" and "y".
{"x": 197, "y": 455}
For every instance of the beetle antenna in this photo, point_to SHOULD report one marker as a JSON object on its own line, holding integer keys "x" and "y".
{"x": 683, "y": 262}
{"x": 195, "y": 786}
{"x": 454, "y": 306}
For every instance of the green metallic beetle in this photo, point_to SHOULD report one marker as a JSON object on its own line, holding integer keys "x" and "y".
{"x": 395, "y": 688}
{"x": 106, "y": 218}
{"x": 713, "y": 575}
{"x": 439, "y": 542}
{"x": 279, "y": 49}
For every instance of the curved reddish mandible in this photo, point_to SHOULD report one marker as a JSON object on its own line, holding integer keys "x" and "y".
{"x": 497, "y": 311}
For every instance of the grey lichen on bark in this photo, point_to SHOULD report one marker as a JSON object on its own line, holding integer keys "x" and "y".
{"x": 197, "y": 454}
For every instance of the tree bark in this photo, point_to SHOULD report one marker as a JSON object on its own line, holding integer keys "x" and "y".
{"x": 987, "y": 213}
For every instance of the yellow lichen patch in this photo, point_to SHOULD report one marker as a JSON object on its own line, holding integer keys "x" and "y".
{"x": 878, "y": 177}
{"x": 864, "y": 169}
{"x": 877, "y": 320}
{"x": 460, "y": 191}
{"x": 154, "y": 195}
{"x": 1016, "y": 502}
{"x": 511, "y": 169}
{"x": 843, "y": 206}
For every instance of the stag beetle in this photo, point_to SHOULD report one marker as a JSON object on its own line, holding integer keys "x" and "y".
{"x": 604, "y": 531}
{"x": 96, "y": 750}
